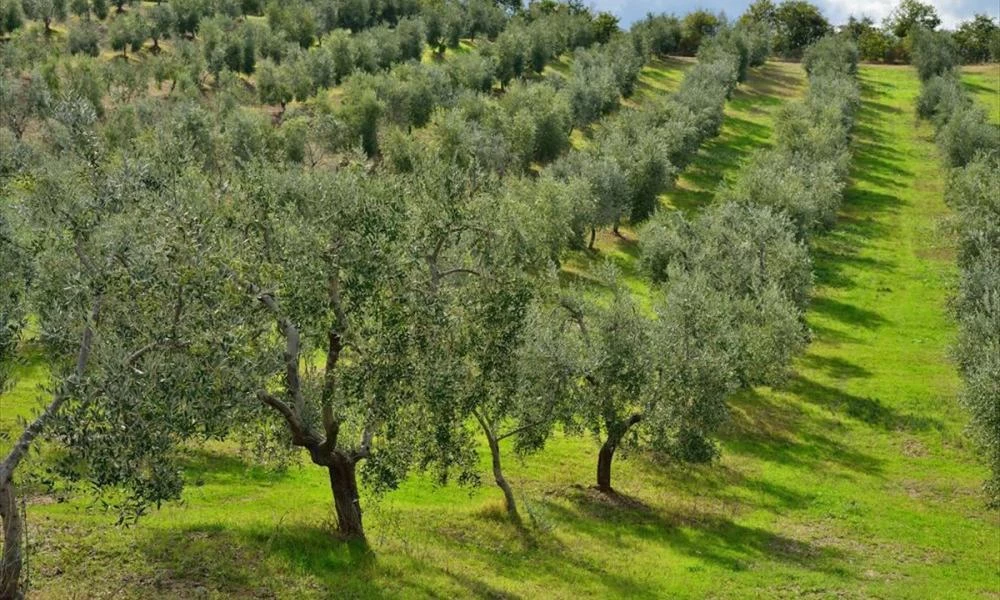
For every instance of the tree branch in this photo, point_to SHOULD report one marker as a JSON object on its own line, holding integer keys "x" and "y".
{"x": 633, "y": 420}
{"x": 301, "y": 434}
{"x": 291, "y": 354}
{"x": 30, "y": 432}
{"x": 487, "y": 429}
{"x": 80, "y": 254}
{"x": 575, "y": 314}
{"x": 520, "y": 429}
{"x": 330, "y": 423}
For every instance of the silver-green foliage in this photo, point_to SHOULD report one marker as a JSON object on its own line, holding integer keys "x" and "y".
{"x": 972, "y": 193}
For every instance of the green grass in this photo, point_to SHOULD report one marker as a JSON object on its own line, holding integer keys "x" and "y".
{"x": 983, "y": 82}
{"x": 852, "y": 481}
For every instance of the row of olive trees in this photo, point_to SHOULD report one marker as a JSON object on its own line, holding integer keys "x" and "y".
{"x": 607, "y": 368}
{"x": 805, "y": 173}
{"x": 640, "y": 151}
{"x": 301, "y": 21}
{"x": 970, "y": 147}
{"x": 748, "y": 268}
{"x": 520, "y": 50}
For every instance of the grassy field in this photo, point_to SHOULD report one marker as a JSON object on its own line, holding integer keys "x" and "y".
{"x": 852, "y": 481}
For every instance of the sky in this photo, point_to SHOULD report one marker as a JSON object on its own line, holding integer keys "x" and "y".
{"x": 951, "y": 12}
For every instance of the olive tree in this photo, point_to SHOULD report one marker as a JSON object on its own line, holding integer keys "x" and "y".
{"x": 511, "y": 312}
{"x": 46, "y": 11}
{"x": 510, "y": 54}
{"x": 11, "y": 16}
{"x": 606, "y": 203}
{"x": 162, "y": 21}
{"x": 113, "y": 256}
{"x": 752, "y": 255}
{"x": 390, "y": 282}
{"x": 658, "y": 383}
{"x": 934, "y": 52}
{"x": 660, "y": 34}
{"x": 128, "y": 31}
{"x": 24, "y": 99}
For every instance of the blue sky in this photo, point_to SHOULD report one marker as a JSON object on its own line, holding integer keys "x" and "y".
{"x": 950, "y": 11}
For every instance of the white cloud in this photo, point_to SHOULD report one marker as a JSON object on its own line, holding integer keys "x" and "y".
{"x": 951, "y": 12}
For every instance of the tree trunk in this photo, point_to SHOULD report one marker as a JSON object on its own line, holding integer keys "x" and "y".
{"x": 593, "y": 237}
{"x": 508, "y": 493}
{"x": 604, "y": 458}
{"x": 344, "y": 485}
{"x": 501, "y": 481}
{"x": 10, "y": 563}
{"x": 616, "y": 431}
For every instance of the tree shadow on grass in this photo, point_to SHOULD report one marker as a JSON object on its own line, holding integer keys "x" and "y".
{"x": 728, "y": 489}
{"x": 975, "y": 87}
{"x": 871, "y": 169}
{"x": 770, "y": 80}
{"x": 836, "y": 367}
{"x": 782, "y": 432}
{"x": 837, "y": 253}
{"x": 204, "y": 465}
{"x": 834, "y": 264}
{"x": 847, "y": 314}
{"x": 706, "y": 536}
{"x": 872, "y": 411}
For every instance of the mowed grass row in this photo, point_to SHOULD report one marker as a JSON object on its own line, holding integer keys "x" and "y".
{"x": 852, "y": 481}
{"x": 864, "y": 447}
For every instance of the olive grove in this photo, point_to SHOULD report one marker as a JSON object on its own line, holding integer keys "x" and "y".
{"x": 336, "y": 229}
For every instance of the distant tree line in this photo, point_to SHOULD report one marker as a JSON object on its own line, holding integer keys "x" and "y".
{"x": 970, "y": 147}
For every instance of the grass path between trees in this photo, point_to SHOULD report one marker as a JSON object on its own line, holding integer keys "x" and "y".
{"x": 853, "y": 481}
{"x": 864, "y": 447}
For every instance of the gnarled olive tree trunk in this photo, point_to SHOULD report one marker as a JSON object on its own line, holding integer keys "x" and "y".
{"x": 341, "y": 464}
{"x": 616, "y": 432}
{"x": 346, "y": 502}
